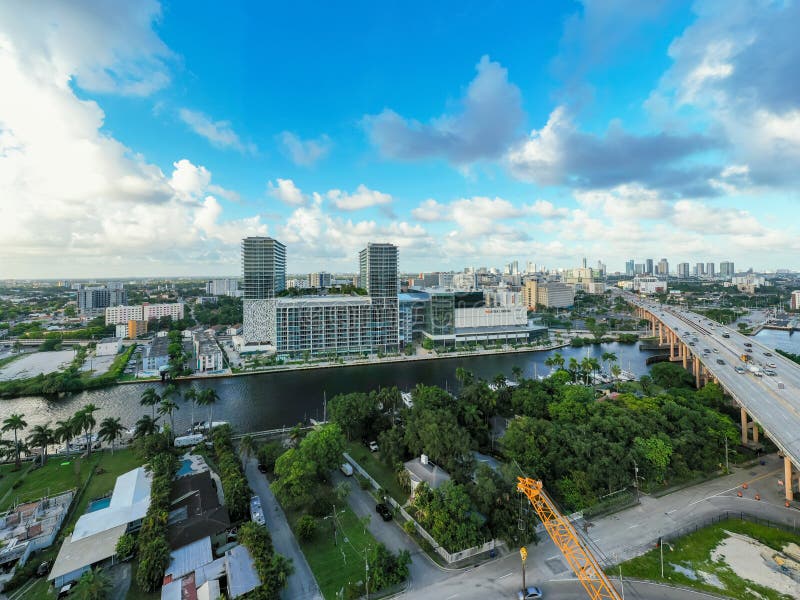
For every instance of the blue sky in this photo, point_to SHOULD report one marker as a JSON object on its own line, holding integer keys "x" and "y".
{"x": 148, "y": 139}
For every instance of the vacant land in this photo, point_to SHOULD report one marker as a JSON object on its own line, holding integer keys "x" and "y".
{"x": 692, "y": 561}
{"x": 30, "y": 365}
{"x": 385, "y": 476}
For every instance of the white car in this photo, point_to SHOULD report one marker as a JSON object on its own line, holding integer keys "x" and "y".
{"x": 373, "y": 446}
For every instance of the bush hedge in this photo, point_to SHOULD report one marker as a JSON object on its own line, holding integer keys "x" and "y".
{"x": 234, "y": 484}
{"x": 273, "y": 569}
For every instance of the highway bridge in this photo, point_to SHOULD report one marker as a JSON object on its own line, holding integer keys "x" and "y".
{"x": 713, "y": 352}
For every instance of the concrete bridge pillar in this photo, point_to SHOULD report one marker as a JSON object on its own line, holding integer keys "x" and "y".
{"x": 755, "y": 432}
{"x": 671, "y": 346}
{"x": 696, "y": 372}
{"x": 653, "y": 323}
{"x": 684, "y": 354}
{"x": 660, "y": 333}
{"x": 787, "y": 478}
{"x": 744, "y": 426}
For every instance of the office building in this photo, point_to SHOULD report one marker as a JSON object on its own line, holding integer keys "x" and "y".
{"x": 648, "y": 266}
{"x": 638, "y": 269}
{"x": 263, "y": 277}
{"x": 116, "y": 315}
{"x": 629, "y": 267}
{"x": 663, "y": 267}
{"x": 794, "y": 300}
{"x": 710, "y": 269}
{"x": 319, "y": 280}
{"x": 683, "y": 270}
{"x": 445, "y": 280}
{"x": 378, "y": 276}
{"x": 551, "y": 294}
{"x": 223, "y": 287}
{"x": 726, "y": 269}
{"x": 649, "y": 285}
{"x": 92, "y": 301}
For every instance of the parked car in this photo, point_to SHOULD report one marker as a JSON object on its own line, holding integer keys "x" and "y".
{"x": 529, "y": 593}
{"x": 384, "y": 511}
{"x": 43, "y": 569}
{"x": 262, "y": 468}
{"x": 373, "y": 446}
{"x": 346, "y": 468}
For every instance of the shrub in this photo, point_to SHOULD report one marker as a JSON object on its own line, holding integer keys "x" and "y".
{"x": 273, "y": 569}
{"x": 409, "y": 527}
{"x": 126, "y": 546}
{"x": 234, "y": 484}
{"x": 306, "y": 527}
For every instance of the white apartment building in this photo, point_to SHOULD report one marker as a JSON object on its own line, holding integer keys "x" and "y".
{"x": 490, "y": 317}
{"x": 116, "y": 315}
{"x": 794, "y": 302}
{"x": 207, "y": 352}
{"x": 649, "y": 285}
{"x": 223, "y": 287}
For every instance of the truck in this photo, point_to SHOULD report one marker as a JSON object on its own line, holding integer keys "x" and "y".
{"x": 744, "y": 357}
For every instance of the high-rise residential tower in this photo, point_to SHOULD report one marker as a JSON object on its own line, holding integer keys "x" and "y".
{"x": 629, "y": 267}
{"x": 710, "y": 269}
{"x": 683, "y": 270}
{"x": 648, "y": 264}
{"x": 378, "y": 276}
{"x": 726, "y": 269}
{"x": 263, "y": 277}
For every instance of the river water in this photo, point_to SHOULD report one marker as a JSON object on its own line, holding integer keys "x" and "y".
{"x": 267, "y": 401}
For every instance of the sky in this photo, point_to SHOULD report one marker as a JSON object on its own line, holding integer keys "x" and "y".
{"x": 148, "y": 138}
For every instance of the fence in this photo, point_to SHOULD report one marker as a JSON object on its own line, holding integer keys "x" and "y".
{"x": 449, "y": 557}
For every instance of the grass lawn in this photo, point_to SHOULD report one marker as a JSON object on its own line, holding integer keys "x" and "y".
{"x": 336, "y": 565}
{"x": 39, "y": 591}
{"x": 694, "y": 551}
{"x": 9, "y": 475}
{"x": 379, "y": 471}
{"x": 50, "y": 479}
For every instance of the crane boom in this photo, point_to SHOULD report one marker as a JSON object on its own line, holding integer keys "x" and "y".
{"x": 580, "y": 559}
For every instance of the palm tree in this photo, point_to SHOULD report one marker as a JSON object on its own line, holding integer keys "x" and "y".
{"x": 463, "y": 376}
{"x": 110, "y": 431}
{"x": 558, "y": 360}
{"x": 616, "y": 370}
{"x": 609, "y": 357}
{"x": 191, "y": 396}
{"x": 168, "y": 407}
{"x": 247, "y": 446}
{"x": 573, "y": 368}
{"x": 41, "y": 436}
{"x": 145, "y": 426}
{"x": 208, "y": 397}
{"x": 150, "y": 398}
{"x": 64, "y": 432}
{"x": 93, "y": 585}
{"x": 86, "y": 422}
{"x": 517, "y": 373}
{"x": 14, "y": 423}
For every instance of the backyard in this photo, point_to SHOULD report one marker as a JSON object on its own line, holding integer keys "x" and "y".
{"x": 701, "y": 560}
{"x": 372, "y": 464}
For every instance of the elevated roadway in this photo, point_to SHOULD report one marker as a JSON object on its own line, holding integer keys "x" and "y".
{"x": 713, "y": 352}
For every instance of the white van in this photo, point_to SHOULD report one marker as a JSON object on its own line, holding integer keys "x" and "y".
{"x": 347, "y": 469}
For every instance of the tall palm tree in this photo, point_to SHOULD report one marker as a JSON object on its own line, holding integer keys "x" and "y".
{"x": 574, "y": 368}
{"x": 145, "y": 426}
{"x": 86, "y": 423}
{"x": 516, "y": 371}
{"x": 14, "y": 423}
{"x": 168, "y": 407}
{"x": 93, "y": 585}
{"x": 463, "y": 376}
{"x": 247, "y": 446}
{"x": 609, "y": 357}
{"x": 191, "y": 396}
{"x": 41, "y": 436}
{"x": 110, "y": 431}
{"x": 208, "y": 397}
{"x": 558, "y": 360}
{"x": 150, "y": 398}
{"x": 64, "y": 432}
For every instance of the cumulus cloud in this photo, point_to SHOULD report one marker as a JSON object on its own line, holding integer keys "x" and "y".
{"x": 363, "y": 197}
{"x": 737, "y": 64}
{"x": 304, "y": 153}
{"x": 559, "y": 154}
{"x": 490, "y": 118}
{"x": 71, "y": 192}
{"x": 287, "y": 192}
{"x": 219, "y": 133}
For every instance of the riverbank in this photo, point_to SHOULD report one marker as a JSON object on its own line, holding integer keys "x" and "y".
{"x": 433, "y": 355}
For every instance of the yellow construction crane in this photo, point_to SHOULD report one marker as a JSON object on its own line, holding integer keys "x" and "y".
{"x": 580, "y": 559}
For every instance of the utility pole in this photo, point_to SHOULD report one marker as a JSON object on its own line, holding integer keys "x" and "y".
{"x": 727, "y": 468}
{"x": 636, "y": 480}
{"x": 661, "y": 552}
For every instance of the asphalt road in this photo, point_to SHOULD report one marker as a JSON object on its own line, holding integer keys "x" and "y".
{"x": 301, "y": 585}
{"x": 776, "y": 409}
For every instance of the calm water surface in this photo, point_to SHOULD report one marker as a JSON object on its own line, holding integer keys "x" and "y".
{"x": 267, "y": 401}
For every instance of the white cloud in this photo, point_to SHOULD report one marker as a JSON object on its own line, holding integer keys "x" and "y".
{"x": 287, "y": 192}
{"x": 430, "y": 210}
{"x": 363, "y": 197}
{"x": 305, "y": 152}
{"x": 219, "y": 133}
{"x": 490, "y": 118}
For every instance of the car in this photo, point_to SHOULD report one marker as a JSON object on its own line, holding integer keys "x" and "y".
{"x": 726, "y": 335}
{"x": 750, "y": 350}
{"x": 384, "y": 511}
{"x": 720, "y": 361}
{"x": 346, "y": 468}
{"x": 529, "y": 593}
{"x": 772, "y": 365}
{"x": 706, "y": 351}
{"x": 769, "y": 372}
{"x": 739, "y": 370}
{"x": 748, "y": 345}
{"x": 64, "y": 591}
{"x": 43, "y": 569}
{"x": 716, "y": 350}
{"x": 373, "y": 446}
{"x": 262, "y": 468}
{"x": 767, "y": 353}
{"x": 780, "y": 385}
{"x": 691, "y": 343}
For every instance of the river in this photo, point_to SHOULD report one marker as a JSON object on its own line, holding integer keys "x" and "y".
{"x": 270, "y": 400}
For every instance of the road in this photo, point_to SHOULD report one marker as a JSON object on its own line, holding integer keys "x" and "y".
{"x": 423, "y": 570}
{"x": 301, "y": 585}
{"x": 775, "y": 408}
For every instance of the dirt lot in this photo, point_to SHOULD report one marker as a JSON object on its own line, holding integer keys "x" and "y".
{"x": 32, "y": 364}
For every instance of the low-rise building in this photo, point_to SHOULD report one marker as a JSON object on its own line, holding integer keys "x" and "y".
{"x": 549, "y": 294}
{"x": 156, "y": 354}
{"x": 422, "y": 470}
{"x": 208, "y": 355}
{"x": 143, "y": 312}
{"x": 649, "y": 285}
{"x": 108, "y": 346}
{"x": 94, "y": 539}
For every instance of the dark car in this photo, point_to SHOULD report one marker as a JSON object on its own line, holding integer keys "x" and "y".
{"x": 384, "y": 511}
{"x": 767, "y": 353}
{"x": 262, "y": 468}
{"x": 720, "y": 361}
{"x": 748, "y": 345}
{"x": 43, "y": 569}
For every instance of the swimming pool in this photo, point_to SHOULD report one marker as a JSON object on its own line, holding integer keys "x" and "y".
{"x": 185, "y": 469}
{"x": 98, "y": 504}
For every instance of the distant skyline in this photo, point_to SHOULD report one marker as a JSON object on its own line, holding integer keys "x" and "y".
{"x": 147, "y": 139}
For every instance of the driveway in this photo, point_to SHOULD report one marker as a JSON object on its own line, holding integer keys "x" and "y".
{"x": 301, "y": 585}
{"x": 424, "y": 572}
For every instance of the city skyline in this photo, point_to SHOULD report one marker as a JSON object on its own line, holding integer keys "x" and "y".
{"x": 131, "y": 147}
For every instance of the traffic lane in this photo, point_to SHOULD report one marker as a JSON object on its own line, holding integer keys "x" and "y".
{"x": 301, "y": 583}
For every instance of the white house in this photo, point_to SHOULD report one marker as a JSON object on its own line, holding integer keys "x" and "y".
{"x": 108, "y": 346}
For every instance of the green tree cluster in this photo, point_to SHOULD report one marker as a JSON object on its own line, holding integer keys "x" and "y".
{"x": 273, "y": 569}
{"x": 447, "y": 514}
{"x": 234, "y": 483}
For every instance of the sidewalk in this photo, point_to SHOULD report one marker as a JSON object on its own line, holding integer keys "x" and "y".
{"x": 301, "y": 585}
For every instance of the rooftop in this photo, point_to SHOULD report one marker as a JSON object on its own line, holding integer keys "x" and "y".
{"x": 330, "y": 299}
{"x": 186, "y": 559}
{"x": 429, "y": 473}
{"x": 78, "y": 553}
{"x": 242, "y": 575}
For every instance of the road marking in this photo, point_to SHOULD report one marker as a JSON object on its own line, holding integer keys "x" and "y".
{"x": 749, "y": 481}
{"x": 453, "y": 596}
{"x": 503, "y": 576}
